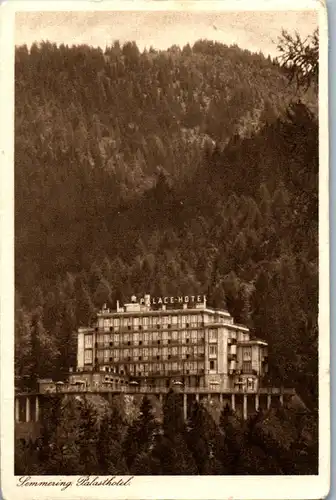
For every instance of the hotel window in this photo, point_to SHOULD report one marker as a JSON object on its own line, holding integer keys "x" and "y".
{"x": 174, "y": 320}
{"x": 247, "y": 367}
{"x": 212, "y": 350}
{"x": 100, "y": 323}
{"x": 126, "y": 353}
{"x": 145, "y": 322}
{"x": 136, "y": 322}
{"x": 164, "y": 320}
{"x": 155, "y": 351}
{"x": 174, "y": 351}
{"x": 155, "y": 336}
{"x": 126, "y": 338}
{"x": 212, "y": 364}
{"x": 106, "y": 339}
{"x": 165, "y": 353}
{"x": 145, "y": 338}
{"x": 247, "y": 353}
{"x": 88, "y": 341}
{"x": 116, "y": 339}
{"x": 212, "y": 335}
{"x": 200, "y": 350}
{"x": 116, "y": 354}
{"x": 87, "y": 356}
{"x": 106, "y": 355}
{"x": 174, "y": 366}
{"x": 194, "y": 336}
{"x": 116, "y": 323}
{"x": 175, "y": 336}
{"x": 136, "y": 352}
{"x": 145, "y": 353}
{"x": 250, "y": 383}
{"x": 135, "y": 338}
{"x": 100, "y": 356}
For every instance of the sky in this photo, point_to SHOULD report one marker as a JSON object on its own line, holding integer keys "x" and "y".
{"x": 252, "y": 30}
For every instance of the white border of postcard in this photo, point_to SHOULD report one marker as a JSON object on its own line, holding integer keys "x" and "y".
{"x": 152, "y": 487}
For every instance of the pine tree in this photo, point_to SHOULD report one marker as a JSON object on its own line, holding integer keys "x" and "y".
{"x": 111, "y": 457}
{"x": 203, "y": 440}
{"x": 87, "y": 438}
{"x": 141, "y": 433}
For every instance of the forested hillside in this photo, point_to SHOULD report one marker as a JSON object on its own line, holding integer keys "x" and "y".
{"x": 179, "y": 171}
{"x": 85, "y": 437}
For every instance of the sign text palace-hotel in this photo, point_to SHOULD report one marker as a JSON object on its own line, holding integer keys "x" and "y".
{"x": 175, "y": 300}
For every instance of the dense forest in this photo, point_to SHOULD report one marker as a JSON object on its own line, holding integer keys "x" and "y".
{"x": 190, "y": 170}
{"x": 82, "y": 437}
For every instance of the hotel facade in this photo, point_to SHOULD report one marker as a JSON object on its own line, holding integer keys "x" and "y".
{"x": 160, "y": 342}
{"x": 151, "y": 345}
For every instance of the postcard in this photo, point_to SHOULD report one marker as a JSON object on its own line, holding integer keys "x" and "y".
{"x": 165, "y": 250}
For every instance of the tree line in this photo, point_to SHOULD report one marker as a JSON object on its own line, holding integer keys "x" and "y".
{"x": 81, "y": 437}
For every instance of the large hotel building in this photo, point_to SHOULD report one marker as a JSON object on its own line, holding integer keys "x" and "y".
{"x": 158, "y": 342}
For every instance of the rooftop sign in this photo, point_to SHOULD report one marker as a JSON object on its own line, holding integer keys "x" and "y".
{"x": 179, "y": 300}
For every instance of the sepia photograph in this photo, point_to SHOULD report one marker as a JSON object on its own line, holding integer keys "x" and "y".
{"x": 166, "y": 239}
